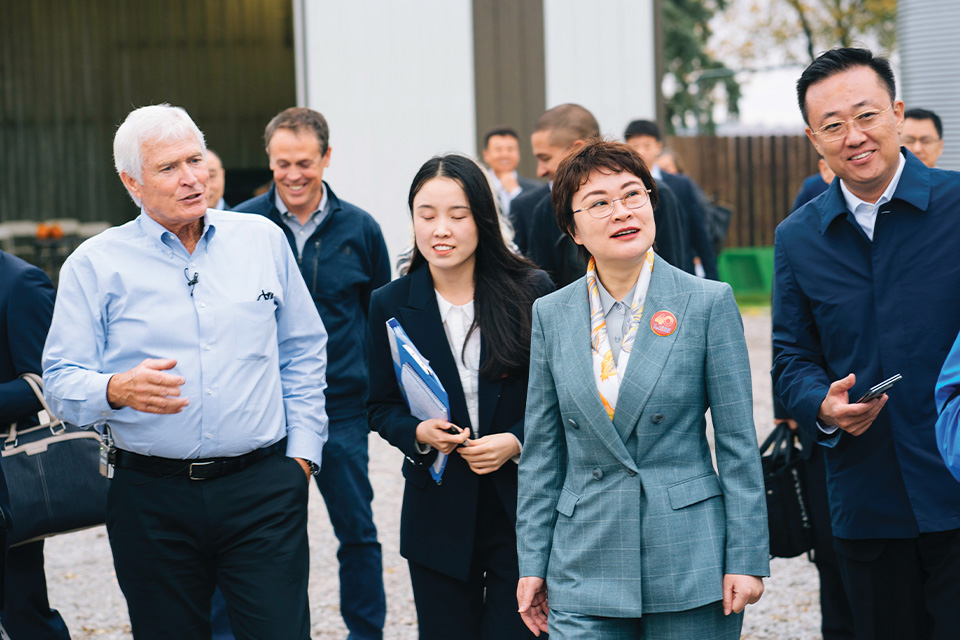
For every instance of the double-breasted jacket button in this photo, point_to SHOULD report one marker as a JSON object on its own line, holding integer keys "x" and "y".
{"x": 631, "y": 472}
{"x": 656, "y": 418}
{"x": 572, "y": 423}
{"x": 597, "y": 474}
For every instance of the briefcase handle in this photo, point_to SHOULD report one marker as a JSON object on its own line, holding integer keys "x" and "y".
{"x": 47, "y": 419}
{"x": 780, "y": 443}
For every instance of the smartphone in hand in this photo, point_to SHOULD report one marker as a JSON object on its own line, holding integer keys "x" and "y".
{"x": 878, "y": 390}
{"x": 455, "y": 430}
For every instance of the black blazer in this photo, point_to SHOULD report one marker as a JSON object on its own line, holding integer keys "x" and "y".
{"x": 697, "y": 243}
{"x": 437, "y": 522}
{"x": 521, "y": 214}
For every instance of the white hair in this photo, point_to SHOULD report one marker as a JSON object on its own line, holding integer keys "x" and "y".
{"x": 156, "y": 123}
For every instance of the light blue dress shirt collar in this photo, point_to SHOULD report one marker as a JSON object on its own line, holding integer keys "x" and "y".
{"x": 302, "y": 232}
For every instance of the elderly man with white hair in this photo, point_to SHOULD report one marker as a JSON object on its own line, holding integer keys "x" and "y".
{"x": 188, "y": 337}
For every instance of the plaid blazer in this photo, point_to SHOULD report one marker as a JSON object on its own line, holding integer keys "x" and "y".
{"x": 629, "y": 517}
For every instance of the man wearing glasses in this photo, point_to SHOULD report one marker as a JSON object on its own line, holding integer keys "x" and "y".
{"x": 867, "y": 285}
{"x": 923, "y": 135}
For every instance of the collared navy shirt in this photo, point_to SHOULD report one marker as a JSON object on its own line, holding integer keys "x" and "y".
{"x": 248, "y": 341}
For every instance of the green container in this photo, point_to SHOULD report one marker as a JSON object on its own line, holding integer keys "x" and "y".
{"x": 749, "y": 271}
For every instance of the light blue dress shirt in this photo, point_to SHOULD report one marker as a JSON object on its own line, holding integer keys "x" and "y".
{"x": 248, "y": 341}
{"x": 302, "y": 232}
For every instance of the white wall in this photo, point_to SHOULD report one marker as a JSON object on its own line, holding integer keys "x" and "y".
{"x": 600, "y": 54}
{"x": 395, "y": 82}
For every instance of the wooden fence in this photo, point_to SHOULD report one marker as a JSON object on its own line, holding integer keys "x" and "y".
{"x": 757, "y": 177}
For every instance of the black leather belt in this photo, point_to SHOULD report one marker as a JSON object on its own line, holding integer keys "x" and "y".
{"x": 199, "y": 469}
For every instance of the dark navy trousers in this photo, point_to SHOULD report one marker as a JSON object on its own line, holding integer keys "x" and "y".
{"x": 174, "y": 540}
{"x": 345, "y": 486}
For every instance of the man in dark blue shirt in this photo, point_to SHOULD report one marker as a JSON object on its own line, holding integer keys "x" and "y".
{"x": 343, "y": 258}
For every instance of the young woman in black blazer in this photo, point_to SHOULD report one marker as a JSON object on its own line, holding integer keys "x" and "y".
{"x": 467, "y": 289}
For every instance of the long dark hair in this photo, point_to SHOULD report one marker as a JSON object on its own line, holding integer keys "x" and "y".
{"x": 503, "y": 281}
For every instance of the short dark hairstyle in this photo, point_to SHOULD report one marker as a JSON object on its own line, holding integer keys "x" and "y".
{"x": 503, "y": 281}
{"x": 297, "y": 119}
{"x": 499, "y": 131}
{"x": 642, "y": 128}
{"x": 926, "y": 114}
{"x": 568, "y": 123}
{"x": 837, "y": 60}
{"x": 576, "y": 168}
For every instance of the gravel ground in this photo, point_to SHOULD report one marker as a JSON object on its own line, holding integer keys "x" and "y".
{"x": 82, "y": 584}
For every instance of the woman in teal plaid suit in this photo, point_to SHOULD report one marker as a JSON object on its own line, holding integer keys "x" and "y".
{"x": 624, "y": 528}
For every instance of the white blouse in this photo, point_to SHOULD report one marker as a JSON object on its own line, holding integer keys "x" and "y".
{"x": 456, "y": 322}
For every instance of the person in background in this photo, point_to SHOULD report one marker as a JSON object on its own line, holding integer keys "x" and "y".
{"x": 669, "y": 162}
{"x": 923, "y": 135}
{"x": 217, "y": 183}
{"x": 644, "y": 137}
{"x": 866, "y": 286}
{"x": 558, "y": 132}
{"x": 465, "y": 304}
{"x": 624, "y": 528}
{"x": 343, "y": 258}
{"x": 501, "y": 153}
{"x": 26, "y": 305}
{"x": 716, "y": 216}
{"x": 814, "y": 185}
{"x": 189, "y": 338}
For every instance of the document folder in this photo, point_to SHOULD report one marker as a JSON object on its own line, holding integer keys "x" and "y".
{"x": 420, "y": 386}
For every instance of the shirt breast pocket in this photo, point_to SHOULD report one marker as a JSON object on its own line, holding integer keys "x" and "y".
{"x": 255, "y": 329}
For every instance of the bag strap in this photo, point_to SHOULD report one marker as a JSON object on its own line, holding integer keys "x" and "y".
{"x": 780, "y": 444}
{"x": 51, "y": 422}
{"x": 768, "y": 441}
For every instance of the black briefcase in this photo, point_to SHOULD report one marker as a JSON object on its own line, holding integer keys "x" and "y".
{"x": 791, "y": 531}
{"x": 53, "y": 476}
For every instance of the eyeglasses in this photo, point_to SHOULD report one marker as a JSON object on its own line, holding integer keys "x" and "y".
{"x": 604, "y": 208}
{"x": 925, "y": 141}
{"x": 833, "y": 131}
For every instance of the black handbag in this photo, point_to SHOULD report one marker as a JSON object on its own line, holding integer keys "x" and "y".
{"x": 53, "y": 476}
{"x": 791, "y": 531}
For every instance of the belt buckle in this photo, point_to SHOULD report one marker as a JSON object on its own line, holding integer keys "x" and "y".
{"x": 198, "y": 464}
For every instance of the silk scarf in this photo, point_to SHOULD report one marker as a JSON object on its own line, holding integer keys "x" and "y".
{"x": 606, "y": 372}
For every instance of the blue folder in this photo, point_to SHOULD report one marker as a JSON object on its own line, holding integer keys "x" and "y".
{"x": 420, "y": 386}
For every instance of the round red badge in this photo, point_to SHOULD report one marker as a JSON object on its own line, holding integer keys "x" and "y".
{"x": 663, "y": 323}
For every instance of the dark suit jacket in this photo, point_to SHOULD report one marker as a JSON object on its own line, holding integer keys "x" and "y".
{"x": 812, "y": 187}
{"x": 526, "y": 184}
{"x": 843, "y": 304}
{"x": 697, "y": 240}
{"x": 26, "y": 306}
{"x": 437, "y": 522}
{"x": 521, "y": 213}
{"x": 556, "y": 253}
